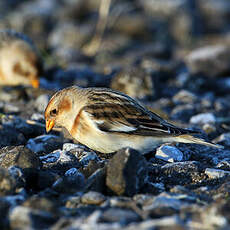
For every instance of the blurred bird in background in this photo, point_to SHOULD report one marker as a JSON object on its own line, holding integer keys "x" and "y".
{"x": 20, "y": 63}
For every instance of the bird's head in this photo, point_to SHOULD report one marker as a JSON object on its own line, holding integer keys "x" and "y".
{"x": 62, "y": 109}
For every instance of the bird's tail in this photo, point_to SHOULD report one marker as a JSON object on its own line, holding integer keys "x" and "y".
{"x": 186, "y": 138}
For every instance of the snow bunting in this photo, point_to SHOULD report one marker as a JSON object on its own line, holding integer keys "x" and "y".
{"x": 19, "y": 60}
{"x": 107, "y": 120}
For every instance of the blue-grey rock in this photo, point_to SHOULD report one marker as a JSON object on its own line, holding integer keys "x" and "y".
{"x": 126, "y": 172}
{"x": 203, "y": 118}
{"x": 169, "y": 153}
{"x": 216, "y": 173}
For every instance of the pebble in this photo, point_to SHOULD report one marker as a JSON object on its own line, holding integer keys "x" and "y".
{"x": 23, "y": 216}
{"x": 124, "y": 216}
{"x": 44, "y": 143}
{"x": 169, "y": 153}
{"x": 126, "y": 172}
{"x": 223, "y": 139}
{"x": 9, "y": 108}
{"x": 203, "y": 118}
{"x": 209, "y": 128}
{"x": 184, "y": 96}
{"x": 19, "y": 156}
{"x": 92, "y": 197}
{"x": 7, "y": 183}
{"x": 41, "y": 102}
{"x": 204, "y": 60}
{"x": 37, "y": 117}
{"x": 216, "y": 173}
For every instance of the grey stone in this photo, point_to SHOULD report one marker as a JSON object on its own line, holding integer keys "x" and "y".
{"x": 7, "y": 183}
{"x": 210, "y": 60}
{"x": 163, "y": 9}
{"x": 124, "y": 216}
{"x": 26, "y": 218}
{"x": 18, "y": 175}
{"x": 216, "y": 173}
{"x": 83, "y": 154}
{"x": 167, "y": 222}
{"x": 39, "y": 203}
{"x": 71, "y": 146}
{"x": 59, "y": 158}
{"x": 181, "y": 173}
{"x": 73, "y": 181}
{"x": 223, "y": 139}
{"x": 41, "y": 102}
{"x": 9, "y": 108}
{"x": 184, "y": 97}
{"x": 214, "y": 14}
{"x": 91, "y": 197}
{"x": 4, "y": 210}
{"x": 73, "y": 201}
{"x": 169, "y": 153}
{"x": 44, "y": 143}
{"x": 18, "y": 156}
{"x": 126, "y": 172}
{"x": 37, "y": 117}
{"x": 96, "y": 182}
{"x": 203, "y": 118}
{"x": 10, "y": 136}
{"x": 183, "y": 112}
{"x": 134, "y": 82}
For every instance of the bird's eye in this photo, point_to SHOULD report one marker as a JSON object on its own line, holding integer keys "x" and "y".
{"x": 53, "y": 112}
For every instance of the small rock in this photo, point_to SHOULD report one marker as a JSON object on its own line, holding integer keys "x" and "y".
{"x": 92, "y": 167}
{"x": 60, "y": 160}
{"x": 73, "y": 201}
{"x": 169, "y": 153}
{"x": 71, "y": 146}
{"x": 210, "y": 60}
{"x": 162, "y": 9}
{"x": 21, "y": 217}
{"x": 41, "y": 103}
{"x": 209, "y": 128}
{"x": 133, "y": 82}
{"x": 10, "y": 136}
{"x": 216, "y": 173}
{"x": 44, "y": 143}
{"x": 203, "y": 118}
{"x": 181, "y": 173}
{"x": 91, "y": 197}
{"x": 123, "y": 216}
{"x": 37, "y": 117}
{"x": 96, "y": 182}
{"x": 7, "y": 183}
{"x": 4, "y": 210}
{"x": 183, "y": 112}
{"x": 18, "y": 175}
{"x": 18, "y": 156}
{"x": 164, "y": 203}
{"x": 73, "y": 181}
{"x": 45, "y": 179}
{"x": 9, "y": 108}
{"x": 184, "y": 96}
{"x": 126, "y": 172}
{"x": 41, "y": 203}
{"x": 223, "y": 139}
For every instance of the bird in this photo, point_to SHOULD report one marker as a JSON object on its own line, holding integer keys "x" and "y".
{"x": 20, "y": 63}
{"x": 106, "y": 120}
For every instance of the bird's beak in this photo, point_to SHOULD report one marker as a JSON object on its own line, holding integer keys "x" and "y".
{"x": 49, "y": 125}
{"x": 35, "y": 83}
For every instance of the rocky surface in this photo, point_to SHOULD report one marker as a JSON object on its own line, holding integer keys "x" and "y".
{"x": 172, "y": 56}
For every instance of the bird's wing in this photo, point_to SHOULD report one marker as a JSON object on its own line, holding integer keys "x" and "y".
{"x": 126, "y": 116}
